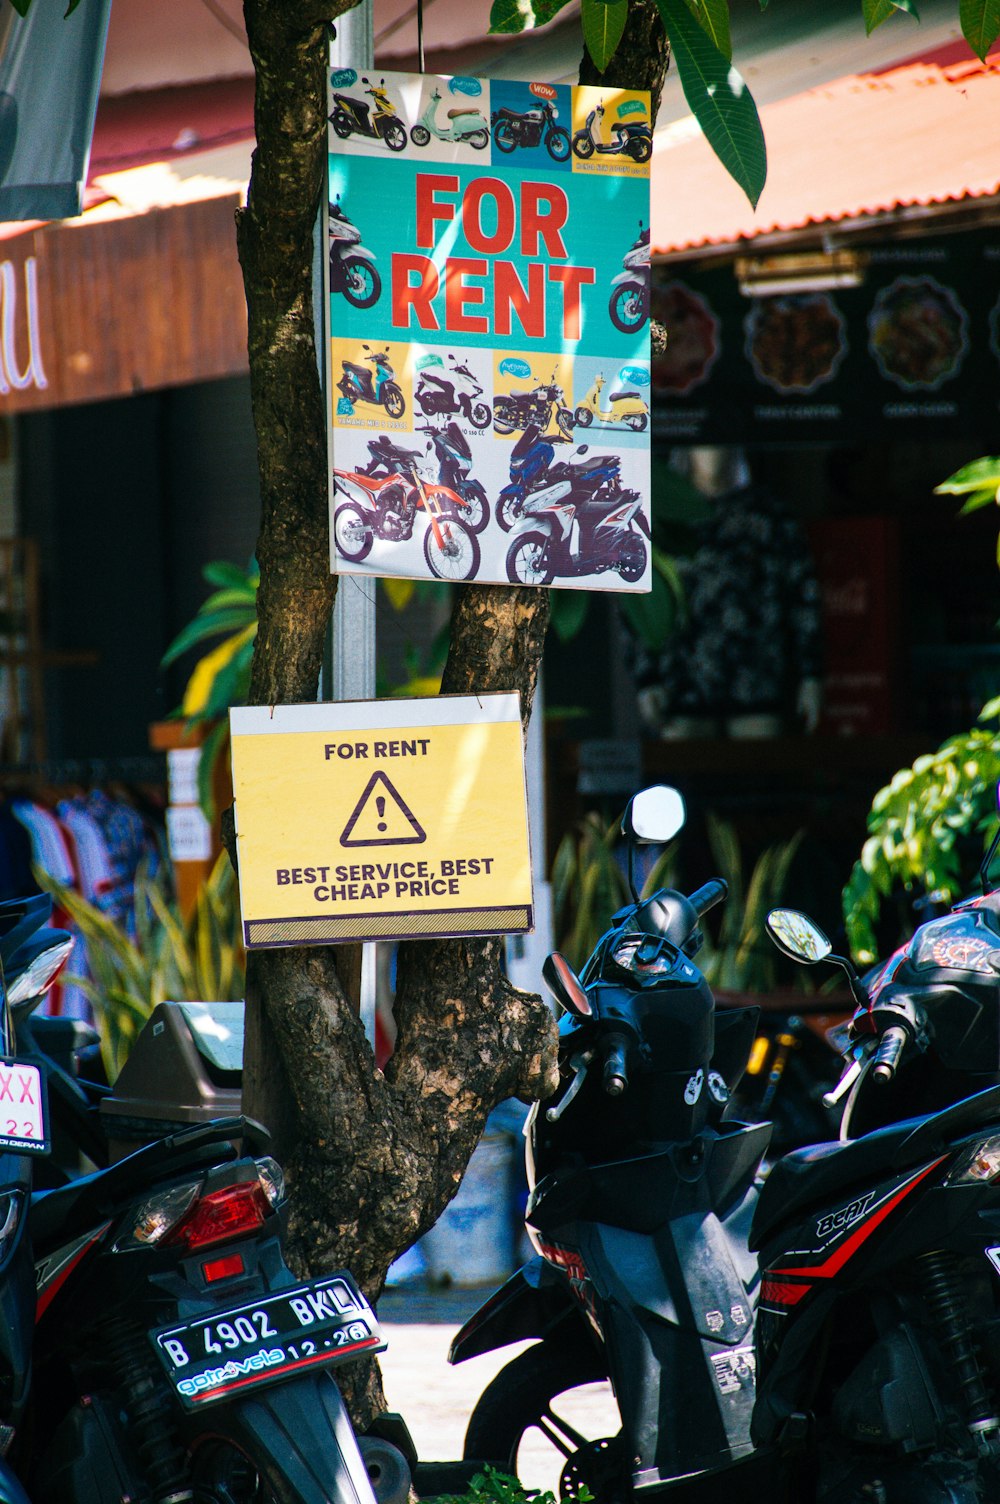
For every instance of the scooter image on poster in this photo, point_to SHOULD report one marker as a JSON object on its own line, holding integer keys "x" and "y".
{"x": 465, "y": 124}
{"x": 353, "y": 117}
{"x": 449, "y": 390}
{"x": 628, "y": 306}
{"x": 352, "y": 268}
{"x": 377, "y": 386}
{"x": 631, "y": 138}
{"x": 626, "y": 406}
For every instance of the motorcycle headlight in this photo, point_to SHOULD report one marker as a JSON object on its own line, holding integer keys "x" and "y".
{"x": 555, "y": 113}
{"x": 652, "y": 964}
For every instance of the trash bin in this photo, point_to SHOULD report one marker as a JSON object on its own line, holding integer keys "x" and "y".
{"x": 472, "y": 1242}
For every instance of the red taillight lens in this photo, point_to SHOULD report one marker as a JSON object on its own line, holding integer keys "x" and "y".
{"x": 222, "y": 1214}
{"x": 224, "y": 1268}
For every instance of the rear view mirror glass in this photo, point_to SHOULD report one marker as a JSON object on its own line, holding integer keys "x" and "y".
{"x": 798, "y": 936}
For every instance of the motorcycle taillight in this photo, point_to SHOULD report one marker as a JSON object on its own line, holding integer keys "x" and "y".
{"x": 220, "y": 1215}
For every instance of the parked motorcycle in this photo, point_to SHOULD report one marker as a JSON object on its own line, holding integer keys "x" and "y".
{"x": 629, "y": 138}
{"x": 377, "y": 386}
{"x": 352, "y": 269}
{"x": 626, "y": 407}
{"x": 465, "y": 124}
{"x": 353, "y": 117}
{"x": 628, "y": 305}
{"x": 577, "y": 524}
{"x": 876, "y": 1352}
{"x": 538, "y": 408}
{"x": 513, "y": 128}
{"x": 449, "y": 390}
{"x": 454, "y": 459}
{"x": 382, "y": 502}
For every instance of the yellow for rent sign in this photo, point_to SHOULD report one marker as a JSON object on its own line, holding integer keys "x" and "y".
{"x": 381, "y": 819}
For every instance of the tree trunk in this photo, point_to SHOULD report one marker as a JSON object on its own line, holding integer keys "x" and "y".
{"x": 372, "y": 1159}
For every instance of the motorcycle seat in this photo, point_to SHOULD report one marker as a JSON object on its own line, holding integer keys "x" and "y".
{"x": 349, "y": 365}
{"x": 468, "y": 109}
{"x": 591, "y": 462}
{"x": 815, "y": 1175}
{"x": 624, "y": 396}
{"x": 507, "y": 114}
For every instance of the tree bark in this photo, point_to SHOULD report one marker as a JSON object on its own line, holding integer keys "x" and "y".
{"x": 372, "y": 1158}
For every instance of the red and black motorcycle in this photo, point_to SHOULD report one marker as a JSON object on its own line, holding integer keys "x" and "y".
{"x": 154, "y": 1344}
{"x": 382, "y": 501}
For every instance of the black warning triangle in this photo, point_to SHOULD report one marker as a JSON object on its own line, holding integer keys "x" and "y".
{"x": 382, "y": 817}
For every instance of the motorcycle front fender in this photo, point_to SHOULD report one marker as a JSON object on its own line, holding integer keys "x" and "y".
{"x": 534, "y": 1302}
{"x": 629, "y": 276}
{"x": 300, "y": 1432}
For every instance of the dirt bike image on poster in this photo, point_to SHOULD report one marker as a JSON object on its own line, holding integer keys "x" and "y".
{"x": 487, "y": 335}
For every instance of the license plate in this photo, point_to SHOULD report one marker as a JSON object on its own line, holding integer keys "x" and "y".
{"x": 241, "y": 1347}
{"x": 24, "y": 1127}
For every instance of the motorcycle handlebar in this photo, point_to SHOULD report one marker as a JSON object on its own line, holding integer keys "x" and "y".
{"x": 708, "y": 895}
{"x": 887, "y": 1056}
{"x": 615, "y": 1076}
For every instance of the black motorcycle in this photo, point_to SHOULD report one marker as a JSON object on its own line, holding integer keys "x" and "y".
{"x": 448, "y": 390}
{"x": 533, "y": 409}
{"x": 513, "y": 128}
{"x": 353, "y": 117}
{"x": 454, "y": 459}
{"x": 160, "y": 1348}
{"x": 352, "y": 269}
{"x": 579, "y": 522}
{"x": 874, "y": 1368}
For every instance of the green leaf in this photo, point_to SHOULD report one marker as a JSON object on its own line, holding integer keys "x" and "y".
{"x": 981, "y": 474}
{"x": 603, "y": 24}
{"x": 212, "y": 624}
{"x": 718, "y": 98}
{"x": 652, "y": 617}
{"x": 21, "y": 6}
{"x": 713, "y": 18}
{"x": 222, "y": 573}
{"x": 875, "y": 12}
{"x": 522, "y": 15}
{"x": 980, "y": 24}
{"x": 909, "y": 6}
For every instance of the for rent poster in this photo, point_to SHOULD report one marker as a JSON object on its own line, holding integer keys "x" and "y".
{"x": 487, "y": 347}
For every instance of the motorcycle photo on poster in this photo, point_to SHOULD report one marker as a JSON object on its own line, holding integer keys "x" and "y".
{"x": 487, "y": 338}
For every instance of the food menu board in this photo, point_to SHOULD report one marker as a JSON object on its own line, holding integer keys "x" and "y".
{"x": 915, "y": 348}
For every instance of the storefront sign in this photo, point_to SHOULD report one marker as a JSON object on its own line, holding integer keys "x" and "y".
{"x": 63, "y": 338}
{"x": 370, "y": 820}
{"x": 915, "y": 349}
{"x": 488, "y": 306}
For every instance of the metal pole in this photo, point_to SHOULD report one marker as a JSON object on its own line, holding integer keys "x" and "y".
{"x": 353, "y": 633}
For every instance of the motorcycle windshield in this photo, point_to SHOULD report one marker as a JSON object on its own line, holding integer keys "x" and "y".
{"x": 525, "y": 443}
{"x": 457, "y": 441}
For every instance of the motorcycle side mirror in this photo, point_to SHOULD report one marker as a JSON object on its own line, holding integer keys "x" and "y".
{"x": 984, "y": 868}
{"x": 801, "y": 938}
{"x": 366, "y": 347}
{"x": 654, "y": 815}
{"x": 364, "y": 80}
{"x": 565, "y": 986}
{"x": 582, "y": 448}
{"x": 797, "y": 936}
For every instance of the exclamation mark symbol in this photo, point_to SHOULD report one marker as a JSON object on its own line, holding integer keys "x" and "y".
{"x": 380, "y": 806}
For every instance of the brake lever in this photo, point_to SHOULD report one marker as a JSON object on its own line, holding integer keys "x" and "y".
{"x": 843, "y": 1086}
{"x": 580, "y": 1064}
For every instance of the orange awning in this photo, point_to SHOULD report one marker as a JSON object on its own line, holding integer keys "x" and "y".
{"x": 923, "y": 133}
